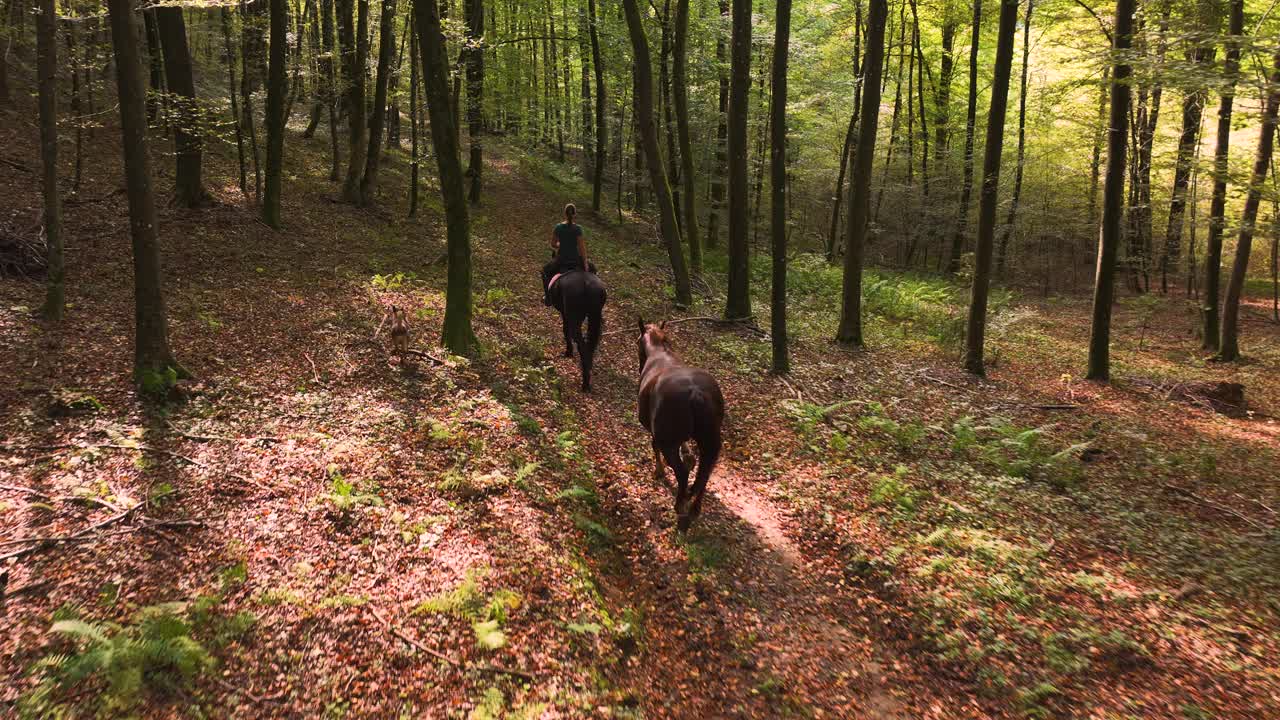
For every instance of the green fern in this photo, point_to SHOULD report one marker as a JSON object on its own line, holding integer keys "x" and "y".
{"x": 155, "y": 653}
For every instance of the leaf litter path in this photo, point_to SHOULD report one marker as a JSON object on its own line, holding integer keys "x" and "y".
{"x": 739, "y": 623}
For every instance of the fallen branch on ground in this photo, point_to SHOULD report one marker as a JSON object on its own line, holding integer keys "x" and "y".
{"x": 744, "y": 322}
{"x": 427, "y": 355}
{"x": 1219, "y": 507}
{"x": 203, "y": 438}
{"x": 498, "y": 669}
{"x": 139, "y": 448}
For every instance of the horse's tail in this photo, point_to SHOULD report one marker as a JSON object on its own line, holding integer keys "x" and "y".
{"x": 706, "y": 416}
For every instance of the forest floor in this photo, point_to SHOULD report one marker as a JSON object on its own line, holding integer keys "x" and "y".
{"x": 346, "y": 536}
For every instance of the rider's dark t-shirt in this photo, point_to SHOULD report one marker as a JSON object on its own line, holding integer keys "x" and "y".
{"x": 568, "y": 236}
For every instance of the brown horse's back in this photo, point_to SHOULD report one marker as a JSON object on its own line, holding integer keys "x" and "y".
{"x": 686, "y": 404}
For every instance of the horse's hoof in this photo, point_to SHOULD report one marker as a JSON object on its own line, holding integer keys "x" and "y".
{"x": 683, "y": 522}
{"x": 586, "y": 387}
{"x": 568, "y": 353}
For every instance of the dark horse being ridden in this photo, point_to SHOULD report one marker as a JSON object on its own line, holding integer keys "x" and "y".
{"x": 580, "y": 295}
{"x": 679, "y": 403}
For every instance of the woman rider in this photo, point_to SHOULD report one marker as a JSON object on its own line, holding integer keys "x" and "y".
{"x": 570, "y": 250}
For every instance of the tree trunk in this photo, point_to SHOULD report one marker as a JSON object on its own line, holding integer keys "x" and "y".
{"x": 188, "y": 189}
{"x": 1095, "y": 165}
{"x": 942, "y": 126}
{"x": 1113, "y": 196}
{"x": 552, "y": 61}
{"x": 977, "y": 326}
{"x": 897, "y": 106}
{"x": 155, "y": 62}
{"x": 850, "y": 330}
{"x": 597, "y": 64}
{"x": 738, "y": 304}
{"x": 475, "y": 95}
{"x": 971, "y": 116}
{"x": 832, "y": 241}
{"x": 330, "y": 69}
{"x": 584, "y": 58}
{"x": 1002, "y": 255}
{"x": 1192, "y": 114}
{"x": 413, "y": 115}
{"x": 250, "y": 42}
{"x": 680, "y": 88}
{"x": 77, "y": 106}
{"x": 653, "y": 154}
{"x": 924, "y": 123}
{"x": 152, "y": 358}
{"x": 378, "y": 116}
{"x": 777, "y": 183}
{"x": 1217, "y": 207}
{"x": 836, "y": 201}
{"x": 356, "y": 117}
{"x": 458, "y": 336}
{"x": 232, "y": 93}
{"x": 275, "y": 113}
{"x": 722, "y": 134}
{"x": 47, "y": 79}
{"x": 1230, "y": 347}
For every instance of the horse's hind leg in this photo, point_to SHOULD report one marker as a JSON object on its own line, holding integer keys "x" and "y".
{"x": 672, "y": 455}
{"x": 584, "y": 357}
{"x": 659, "y": 475}
{"x": 707, "y": 457}
{"x": 567, "y": 327}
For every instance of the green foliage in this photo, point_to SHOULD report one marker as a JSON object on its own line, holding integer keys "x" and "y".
{"x": 156, "y": 383}
{"x": 343, "y": 496}
{"x": 393, "y": 281}
{"x": 1020, "y": 452}
{"x": 895, "y": 490}
{"x": 487, "y": 615}
{"x": 156, "y": 653}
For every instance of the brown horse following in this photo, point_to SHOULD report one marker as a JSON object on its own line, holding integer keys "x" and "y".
{"x": 679, "y": 403}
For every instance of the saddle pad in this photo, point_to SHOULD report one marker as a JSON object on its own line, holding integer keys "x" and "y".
{"x": 554, "y": 278}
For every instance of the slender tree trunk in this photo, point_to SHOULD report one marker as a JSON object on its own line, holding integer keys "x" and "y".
{"x": 738, "y": 304}
{"x": 1230, "y": 346}
{"x": 850, "y": 330}
{"x": 584, "y": 58}
{"x": 373, "y": 153}
{"x": 893, "y": 122}
{"x": 597, "y": 65}
{"x": 1002, "y": 255}
{"x": 722, "y": 133}
{"x": 777, "y": 182}
{"x": 413, "y": 115}
{"x": 1218, "y": 205}
{"x": 317, "y": 67}
{"x": 275, "y": 113}
{"x": 47, "y": 80}
{"x": 188, "y": 143}
{"x": 649, "y": 140}
{"x": 475, "y": 95}
{"x": 155, "y": 62}
{"x": 1113, "y": 196}
{"x": 971, "y": 115}
{"x": 458, "y": 336}
{"x": 152, "y": 357}
{"x": 942, "y": 126}
{"x": 553, "y": 62}
{"x": 680, "y": 88}
{"x": 251, "y": 43}
{"x": 1095, "y": 165}
{"x": 225, "y": 14}
{"x": 1192, "y": 114}
{"x": 77, "y": 106}
{"x": 924, "y": 123}
{"x": 356, "y": 118}
{"x": 976, "y": 329}
{"x": 833, "y": 238}
{"x": 329, "y": 67}
{"x": 836, "y": 201}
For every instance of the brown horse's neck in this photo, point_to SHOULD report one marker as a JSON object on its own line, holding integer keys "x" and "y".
{"x": 658, "y": 357}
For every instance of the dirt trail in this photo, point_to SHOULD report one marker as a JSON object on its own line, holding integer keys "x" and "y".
{"x": 765, "y": 633}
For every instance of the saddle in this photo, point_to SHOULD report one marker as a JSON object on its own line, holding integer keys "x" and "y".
{"x": 552, "y": 282}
